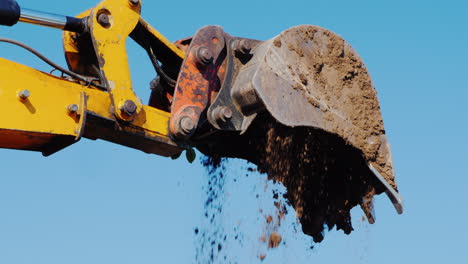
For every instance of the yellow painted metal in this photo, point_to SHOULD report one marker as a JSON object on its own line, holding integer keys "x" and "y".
{"x": 45, "y": 109}
{"x": 43, "y": 122}
{"x": 163, "y": 39}
{"x": 77, "y": 61}
{"x": 110, "y": 46}
{"x": 39, "y": 119}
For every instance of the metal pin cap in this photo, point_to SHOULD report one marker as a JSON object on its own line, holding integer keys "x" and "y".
{"x": 24, "y": 94}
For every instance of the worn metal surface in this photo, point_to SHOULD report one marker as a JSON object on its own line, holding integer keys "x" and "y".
{"x": 238, "y": 54}
{"x": 81, "y": 115}
{"x": 200, "y": 76}
{"x": 393, "y": 195}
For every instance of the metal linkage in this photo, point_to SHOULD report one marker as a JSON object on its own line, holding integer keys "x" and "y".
{"x": 203, "y": 91}
{"x": 198, "y": 78}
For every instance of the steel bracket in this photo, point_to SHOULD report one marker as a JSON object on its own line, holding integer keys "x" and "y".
{"x": 199, "y": 79}
{"x": 238, "y": 54}
{"x": 111, "y": 22}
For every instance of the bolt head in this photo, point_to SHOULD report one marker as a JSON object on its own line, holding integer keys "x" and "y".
{"x": 204, "y": 56}
{"x": 187, "y": 126}
{"x": 73, "y": 109}
{"x": 129, "y": 108}
{"x": 227, "y": 112}
{"x": 244, "y": 46}
{"x": 134, "y": 2}
{"x": 222, "y": 113}
{"x": 24, "y": 94}
{"x": 104, "y": 20}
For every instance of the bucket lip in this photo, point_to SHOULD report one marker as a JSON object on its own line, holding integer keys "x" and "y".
{"x": 392, "y": 194}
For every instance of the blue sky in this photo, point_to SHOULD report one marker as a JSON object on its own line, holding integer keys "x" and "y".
{"x": 96, "y": 202}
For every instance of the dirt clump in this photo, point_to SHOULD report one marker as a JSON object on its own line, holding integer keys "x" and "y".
{"x": 277, "y": 43}
{"x": 269, "y": 219}
{"x": 274, "y": 240}
{"x": 212, "y": 236}
{"x": 262, "y": 257}
{"x": 303, "y": 78}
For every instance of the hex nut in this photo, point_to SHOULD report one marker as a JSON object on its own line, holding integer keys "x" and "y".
{"x": 244, "y": 46}
{"x": 72, "y": 109}
{"x": 24, "y": 94}
{"x": 204, "y": 56}
{"x": 187, "y": 126}
{"x": 104, "y": 20}
{"x": 129, "y": 108}
{"x": 222, "y": 114}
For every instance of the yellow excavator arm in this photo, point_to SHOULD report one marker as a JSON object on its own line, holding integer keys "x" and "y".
{"x": 48, "y": 113}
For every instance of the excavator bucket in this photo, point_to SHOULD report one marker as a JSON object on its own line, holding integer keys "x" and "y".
{"x": 310, "y": 77}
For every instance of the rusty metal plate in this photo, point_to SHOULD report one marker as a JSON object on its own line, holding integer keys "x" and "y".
{"x": 198, "y": 79}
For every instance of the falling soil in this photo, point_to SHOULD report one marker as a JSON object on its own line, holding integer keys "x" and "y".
{"x": 262, "y": 257}
{"x": 212, "y": 235}
{"x": 270, "y": 234}
{"x": 324, "y": 176}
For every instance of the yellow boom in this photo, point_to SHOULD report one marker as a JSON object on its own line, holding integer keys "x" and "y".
{"x": 48, "y": 113}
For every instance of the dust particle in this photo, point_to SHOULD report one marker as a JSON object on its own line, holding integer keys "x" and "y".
{"x": 269, "y": 219}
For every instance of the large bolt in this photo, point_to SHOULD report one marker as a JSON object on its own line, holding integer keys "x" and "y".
{"x": 104, "y": 20}
{"x": 134, "y": 2}
{"x": 129, "y": 108}
{"x": 222, "y": 114}
{"x": 72, "y": 109}
{"x": 187, "y": 126}
{"x": 24, "y": 94}
{"x": 204, "y": 56}
{"x": 244, "y": 46}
